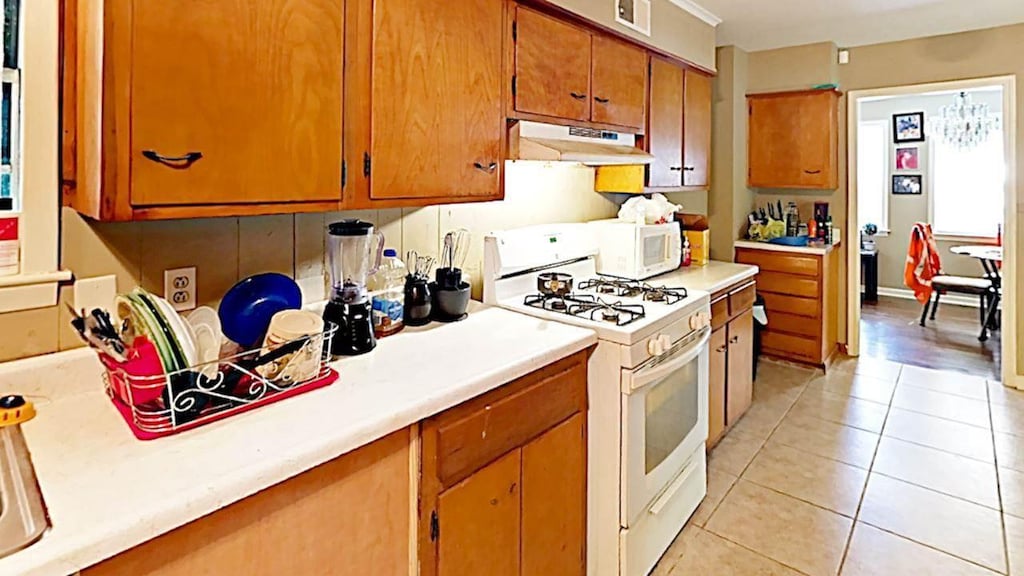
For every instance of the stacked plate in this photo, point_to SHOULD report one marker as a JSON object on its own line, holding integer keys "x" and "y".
{"x": 152, "y": 316}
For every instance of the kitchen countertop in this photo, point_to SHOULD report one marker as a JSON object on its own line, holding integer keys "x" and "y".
{"x": 711, "y": 277}
{"x": 819, "y": 249}
{"x": 107, "y": 492}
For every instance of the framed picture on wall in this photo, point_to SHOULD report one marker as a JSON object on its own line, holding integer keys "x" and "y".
{"x": 906, "y": 183}
{"x": 908, "y": 127}
{"x": 906, "y": 159}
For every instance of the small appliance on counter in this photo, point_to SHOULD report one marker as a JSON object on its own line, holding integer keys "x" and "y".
{"x": 354, "y": 252}
{"x": 637, "y": 251}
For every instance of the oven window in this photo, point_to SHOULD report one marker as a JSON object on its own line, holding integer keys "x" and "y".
{"x": 671, "y": 413}
{"x": 654, "y": 250}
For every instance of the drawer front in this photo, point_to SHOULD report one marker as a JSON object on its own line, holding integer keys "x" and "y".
{"x": 799, "y": 264}
{"x": 792, "y": 324}
{"x": 719, "y": 313}
{"x": 788, "y": 284}
{"x": 473, "y": 434}
{"x": 791, "y": 346}
{"x": 741, "y": 300}
{"x": 811, "y": 308}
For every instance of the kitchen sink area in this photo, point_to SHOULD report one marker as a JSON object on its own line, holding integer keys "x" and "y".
{"x": 23, "y": 519}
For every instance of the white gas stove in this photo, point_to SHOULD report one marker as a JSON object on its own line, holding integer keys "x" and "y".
{"x": 648, "y": 385}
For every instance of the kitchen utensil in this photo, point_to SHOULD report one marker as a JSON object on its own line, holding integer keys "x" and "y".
{"x": 355, "y": 252}
{"x": 554, "y": 283}
{"x": 247, "y": 307}
{"x": 418, "y": 301}
{"x": 97, "y": 331}
{"x": 450, "y": 305}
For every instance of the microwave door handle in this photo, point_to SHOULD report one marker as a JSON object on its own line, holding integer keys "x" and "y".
{"x": 678, "y": 360}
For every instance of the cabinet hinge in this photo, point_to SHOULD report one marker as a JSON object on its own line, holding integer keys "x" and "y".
{"x": 515, "y": 32}
{"x": 344, "y": 173}
{"x": 366, "y": 164}
{"x": 513, "y": 84}
{"x": 435, "y": 527}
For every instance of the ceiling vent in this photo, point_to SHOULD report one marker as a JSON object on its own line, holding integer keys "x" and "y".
{"x": 634, "y": 14}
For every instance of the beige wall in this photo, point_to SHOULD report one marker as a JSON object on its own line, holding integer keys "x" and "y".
{"x": 673, "y": 29}
{"x": 795, "y": 68}
{"x": 729, "y": 201}
{"x": 225, "y": 250}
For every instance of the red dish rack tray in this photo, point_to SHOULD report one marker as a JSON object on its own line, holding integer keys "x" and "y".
{"x": 160, "y": 405}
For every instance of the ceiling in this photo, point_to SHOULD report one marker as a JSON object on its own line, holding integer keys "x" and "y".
{"x": 763, "y": 24}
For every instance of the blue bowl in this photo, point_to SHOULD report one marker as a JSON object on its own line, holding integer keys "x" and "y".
{"x": 790, "y": 240}
{"x": 247, "y": 308}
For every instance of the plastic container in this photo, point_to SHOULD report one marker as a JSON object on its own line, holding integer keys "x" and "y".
{"x": 10, "y": 252}
{"x": 387, "y": 286}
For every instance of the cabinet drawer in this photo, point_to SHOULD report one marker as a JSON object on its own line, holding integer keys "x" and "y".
{"x": 788, "y": 284}
{"x": 808, "y": 307}
{"x": 799, "y": 264}
{"x": 791, "y": 346}
{"x": 792, "y": 324}
{"x": 719, "y": 312}
{"x": 477, "y": 432}
{"x": 741, "y": 300}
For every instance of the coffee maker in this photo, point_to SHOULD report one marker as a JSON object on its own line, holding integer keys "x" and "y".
{"x": 354, "y": 252}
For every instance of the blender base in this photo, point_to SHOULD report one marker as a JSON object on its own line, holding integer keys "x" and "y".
{"x": 355, "y": 328}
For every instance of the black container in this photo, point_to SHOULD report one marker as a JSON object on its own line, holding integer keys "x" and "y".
{"x": 417, "y": 301}
{"x": 448, "y": 278}
{"x": 451, "y": 305}
{"x": 355, "y": 328}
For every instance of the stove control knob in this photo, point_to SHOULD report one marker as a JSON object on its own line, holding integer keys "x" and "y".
{"x": 665, "y": 342}
{"x": 654, "y": 347}
{"x": 696, "y": 322}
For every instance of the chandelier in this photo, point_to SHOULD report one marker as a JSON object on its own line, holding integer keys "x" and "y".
{"x": 963, "y": 123}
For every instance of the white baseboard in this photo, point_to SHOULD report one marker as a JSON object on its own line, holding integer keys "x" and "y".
{"x": 954, "y": 299}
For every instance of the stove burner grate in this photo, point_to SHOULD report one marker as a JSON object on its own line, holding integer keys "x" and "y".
{"x": 611, "y": 286}
{"x": 587, "y": 306}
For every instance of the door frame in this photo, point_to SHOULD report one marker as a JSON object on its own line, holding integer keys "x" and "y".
{"x": 1008, "y": 353}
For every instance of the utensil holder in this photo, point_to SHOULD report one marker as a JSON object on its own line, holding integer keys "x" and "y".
{"x": 418, "y": 301}
{"x": 451, "y": 305}
{"x": 155, "y": 406}
{"x": 448, "y": 278}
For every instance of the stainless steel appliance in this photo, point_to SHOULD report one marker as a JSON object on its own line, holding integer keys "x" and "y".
{"x": 648, "y": 386}
{"x": 354, "y": 252}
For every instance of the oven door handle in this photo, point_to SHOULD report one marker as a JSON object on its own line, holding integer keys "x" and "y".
{"x": 673, "y": 488}
{"x": 678, "y": 358}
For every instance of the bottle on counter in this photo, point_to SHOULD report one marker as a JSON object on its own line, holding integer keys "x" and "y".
{"x": 792, "y": 220}
{"x": 687, "y": 252}
{"x": 812, "y": 229}
{"x": 828, "y": 230}
{"x": 387, "y": 286}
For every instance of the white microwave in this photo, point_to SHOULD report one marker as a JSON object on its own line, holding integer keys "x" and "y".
{"x": 637, "y": 251}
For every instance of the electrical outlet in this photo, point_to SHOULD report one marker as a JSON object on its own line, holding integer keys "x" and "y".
{"x": 180, "y": 288}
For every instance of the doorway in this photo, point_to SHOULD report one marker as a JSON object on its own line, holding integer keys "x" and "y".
{"x": 907, "y": 165}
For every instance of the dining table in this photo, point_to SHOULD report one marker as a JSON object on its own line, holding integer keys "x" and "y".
{"x": 991, "y": 258}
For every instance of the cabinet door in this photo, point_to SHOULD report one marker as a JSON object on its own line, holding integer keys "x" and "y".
{"x": 437, "y": 108}
{"x": 697, "y": 137}
{"x": 254, "y": 87}
{"x": 665, "y": 125}
{"x": 817, "y": 119}
{"x": 740, "y": 366}
{"x": 772, "y": 150}
{"x": 552, "y": 67}
{"x": 479, "y": 522}
{"x": 555, "y": 501}
{"x": 716, "y": 385}
{"x": 619, "y": 73}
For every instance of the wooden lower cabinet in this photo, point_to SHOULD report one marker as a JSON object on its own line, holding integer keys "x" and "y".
{"x": 503, "y": 483}
{"x": 730, "y": 384}
{"x": 348, "y": 516}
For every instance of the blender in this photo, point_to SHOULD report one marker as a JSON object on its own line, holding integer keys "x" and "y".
{"x": 354, "y": 252}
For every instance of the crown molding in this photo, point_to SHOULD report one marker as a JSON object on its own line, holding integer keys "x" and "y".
{"x": 698, "y": 11}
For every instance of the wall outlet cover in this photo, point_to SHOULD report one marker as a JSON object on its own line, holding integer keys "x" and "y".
{"x": 92, "y": 293}
{"x": 180, "y": 288}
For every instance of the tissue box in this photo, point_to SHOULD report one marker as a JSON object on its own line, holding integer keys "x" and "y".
{"x": 700, "y": 246}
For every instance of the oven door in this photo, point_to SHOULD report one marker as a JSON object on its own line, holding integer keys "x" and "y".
{"x": 665, "y": 420}
{"x": 659, "y": 249}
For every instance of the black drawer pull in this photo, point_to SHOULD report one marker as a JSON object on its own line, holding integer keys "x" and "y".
{"x": 489, "y": 168}
{"x": 812, "y": 171}
{"x": 734, "y": 340}
{"x": 577, "y": 95}
{"x": 179, "y": 162}
{"x": 602, "y": 100}
{"x": 675, "y": 168}
{"x": 690, "y": 168}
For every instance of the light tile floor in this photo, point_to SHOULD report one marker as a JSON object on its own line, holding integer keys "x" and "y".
{"x": 876, "y": 469}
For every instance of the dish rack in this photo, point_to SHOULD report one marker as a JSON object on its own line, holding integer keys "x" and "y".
{"x": 160, "y": 405}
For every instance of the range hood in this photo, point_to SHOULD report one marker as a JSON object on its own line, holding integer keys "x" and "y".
{"x": 588, "y": 146}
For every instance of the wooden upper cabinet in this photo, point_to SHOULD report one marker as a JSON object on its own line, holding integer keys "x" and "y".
{"x": 697, "y": 130}
{"x": 552, "y": 67}
{"x": 429, "y": 79}
{"x": 794, "y": 140}
{"x": 665, "y": 125}
{"x": 235, "y": 102}
{"x": 618, "y": 82}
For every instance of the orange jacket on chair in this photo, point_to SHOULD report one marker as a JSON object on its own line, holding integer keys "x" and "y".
{"x": 922, "y": 262}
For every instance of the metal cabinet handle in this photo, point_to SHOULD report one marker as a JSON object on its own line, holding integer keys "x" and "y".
{"x": 812, "y": 171}
{"x": 675, "y": 168}
{"x": 602, "y": 100}
{"x": 173, "y": 161}
{"x": 577, "y": 95}
{"x": 489, "y": 168}
{"x": 734, "y": 339}
{"x": 690, "y": 168}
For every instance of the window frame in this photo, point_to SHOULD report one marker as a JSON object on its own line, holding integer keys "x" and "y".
{"x": 883, "y": 226}
{"x": 930, "y": 181}
{"x": 39, "y": 161}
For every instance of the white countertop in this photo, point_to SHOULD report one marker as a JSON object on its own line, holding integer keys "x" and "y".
{"x": 107, "y": 492}
{"x": 711, "y": 277}
{"x": 813, "y": 249}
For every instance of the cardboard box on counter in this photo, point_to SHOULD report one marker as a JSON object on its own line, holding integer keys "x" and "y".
{"x": 695, "y": 229}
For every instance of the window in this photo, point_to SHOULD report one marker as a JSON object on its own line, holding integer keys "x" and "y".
{"x": 872, "y": 174}
{"x": 967, "y": 188}
{"x": 11, "y": 107}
